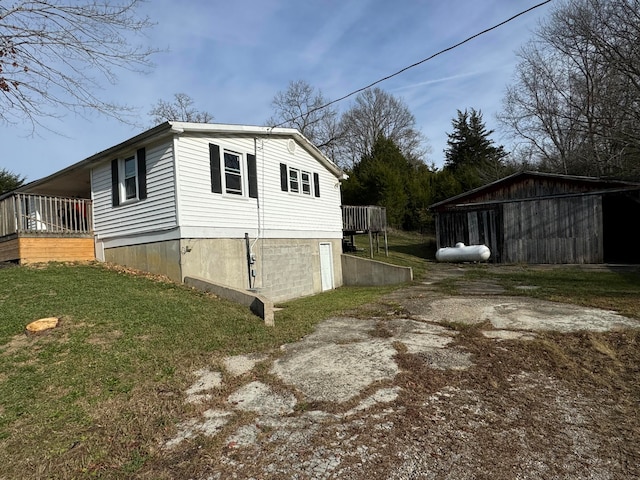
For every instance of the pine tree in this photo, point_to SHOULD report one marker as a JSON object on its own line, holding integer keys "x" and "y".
{"x": 471, "y": 155}
{"x": 9, "y": 181}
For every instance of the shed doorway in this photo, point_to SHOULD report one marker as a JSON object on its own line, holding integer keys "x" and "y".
{"x": 621, "y": 227}
{"x": 326, "y": 266}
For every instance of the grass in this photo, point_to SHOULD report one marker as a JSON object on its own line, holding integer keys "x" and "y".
{"x": 608, "y": 288}
{"x": 407, "y": 249}
{"x": 97, "y": 395}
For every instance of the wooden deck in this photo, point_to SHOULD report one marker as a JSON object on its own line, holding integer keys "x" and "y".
{"x": 365, "y": 219}
{"x": 38, "y": 228}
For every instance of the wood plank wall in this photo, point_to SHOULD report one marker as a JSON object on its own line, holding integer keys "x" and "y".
{"x": 9, "y": 250}
{"x": 562, "y": 230}
{"x": 552, "y": 230}
{"x": 47, "y": 249}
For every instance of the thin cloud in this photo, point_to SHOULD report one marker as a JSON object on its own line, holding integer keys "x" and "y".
{"x": 435, "y": 81}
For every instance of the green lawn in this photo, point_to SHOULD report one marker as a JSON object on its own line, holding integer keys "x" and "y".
{"x": 97, "y": 394}
{"x": 407, "y": 249}
{"x": 608, "y": 288}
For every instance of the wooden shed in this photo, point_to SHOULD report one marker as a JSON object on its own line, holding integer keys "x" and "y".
{"x": 533, "y": 217}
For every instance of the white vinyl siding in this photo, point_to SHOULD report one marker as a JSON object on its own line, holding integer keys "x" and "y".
{"x": 282, "y": 214}
{"x": 199, "y": 206}
{"x": 287, "y": 212}
{"x": 155, "y": 213}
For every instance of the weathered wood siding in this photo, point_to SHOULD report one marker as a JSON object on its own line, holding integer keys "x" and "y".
{"x": 369, "y": 218}
{"x": 472, "y": 227}
{"x": 553, "y": 230}
{"x": 529, "y": 188}
{"x": 155, "y": 213}
{"x": 275, "y": 214}
{"x": 560, "y": 230}
{"x": 8, "y": 221}
{"x": 9, "y": 250}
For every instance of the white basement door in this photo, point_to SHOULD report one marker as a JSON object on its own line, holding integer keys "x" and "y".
{"x": 326, "y": 266}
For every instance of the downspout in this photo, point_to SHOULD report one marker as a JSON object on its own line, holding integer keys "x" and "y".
{"x": 251, "y": 258}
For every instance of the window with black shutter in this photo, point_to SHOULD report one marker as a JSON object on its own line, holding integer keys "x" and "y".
{"x": 129, "y": 178}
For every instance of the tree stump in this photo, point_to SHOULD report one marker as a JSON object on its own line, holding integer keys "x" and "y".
{"x": 42, "y": 325}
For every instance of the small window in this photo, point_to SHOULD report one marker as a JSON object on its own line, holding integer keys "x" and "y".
{"x": 232, "y": 173}
{"x": 298, "y": 181}
{"x": 130, "y": 179}
{"x": 305, "y": 180}
{"x": 294, "y": 180}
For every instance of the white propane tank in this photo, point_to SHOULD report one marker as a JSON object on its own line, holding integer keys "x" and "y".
{"x": 463, "y": 253}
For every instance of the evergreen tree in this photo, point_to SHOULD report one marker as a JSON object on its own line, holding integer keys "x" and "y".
{"x": 471, "y": 155}
{"x": 9, "y": 181}
{"x": 387, "y": 178}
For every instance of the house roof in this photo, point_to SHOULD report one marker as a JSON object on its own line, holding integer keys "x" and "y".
{"x": 592, "y": 184}
{"x": 74, "y": 180}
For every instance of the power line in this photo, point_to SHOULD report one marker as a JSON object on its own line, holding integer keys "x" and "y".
{"x": 504, "y": 22}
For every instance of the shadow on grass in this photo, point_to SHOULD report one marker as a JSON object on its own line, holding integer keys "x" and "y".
{"x": 425, "y": 250}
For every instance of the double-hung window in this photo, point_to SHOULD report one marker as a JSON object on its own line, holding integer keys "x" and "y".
{"x": 294, "y": 180}
{"x": 233, "y": 173}
{"x": 129, "y": 178}
{"x": 305, "y": 180}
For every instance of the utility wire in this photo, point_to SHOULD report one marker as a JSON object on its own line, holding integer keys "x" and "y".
{"x": 414, "y": 64}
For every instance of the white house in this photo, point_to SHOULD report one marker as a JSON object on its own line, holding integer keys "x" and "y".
{"x": 243, "y": 206}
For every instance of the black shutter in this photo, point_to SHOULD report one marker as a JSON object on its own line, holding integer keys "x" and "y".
{"x": 115, "y": 184}
{"x": 214, "y": 163}
{"x": 141, "y": 155}
{"x": 253, "y": 175}
{"x": 284, "y": 178}
{"x": 316, "y": 184}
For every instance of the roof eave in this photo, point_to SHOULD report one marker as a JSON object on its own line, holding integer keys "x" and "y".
{"x": 156, "y": 131}
{"x": 180, "y": 127}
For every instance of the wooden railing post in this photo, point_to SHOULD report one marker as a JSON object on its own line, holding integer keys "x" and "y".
{"x": 25, "y": 213}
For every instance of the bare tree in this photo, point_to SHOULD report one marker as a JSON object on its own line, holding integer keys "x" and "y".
{"x": 537, "y": 107}
{"x": 377, "y": 114}
{"x": 180, "y": 110}
{"x": 301, "y": 107}
{"x": 58, "y": 54}
{"x": 577, "y": 89}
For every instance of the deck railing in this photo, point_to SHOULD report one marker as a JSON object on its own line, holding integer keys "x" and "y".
{"x": 24, "y": 213}
{"x": 367, "y": 218}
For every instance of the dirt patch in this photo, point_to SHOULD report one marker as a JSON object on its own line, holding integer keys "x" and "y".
{"x": 461, "y": 388}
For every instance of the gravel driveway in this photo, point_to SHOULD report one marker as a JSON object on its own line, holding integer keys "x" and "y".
{"x": 426, "y": 387}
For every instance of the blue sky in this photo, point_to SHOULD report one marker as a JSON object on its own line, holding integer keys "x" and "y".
{"x": 233, "y": 57}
